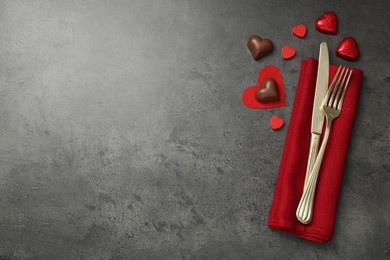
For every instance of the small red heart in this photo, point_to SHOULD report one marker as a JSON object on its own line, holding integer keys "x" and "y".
{"x": 249, "y": 95}
{"x": 276, "y": 122}
{"x": 348, "y": 49}
{"x": 327, "y": 23}
{"x": 288, "y": 52}
{"x": 299, "y": 30}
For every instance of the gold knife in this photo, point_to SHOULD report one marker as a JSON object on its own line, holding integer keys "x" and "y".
{"x": 317, "y": 121}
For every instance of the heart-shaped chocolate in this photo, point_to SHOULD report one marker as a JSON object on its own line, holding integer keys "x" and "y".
{"x": 348, "y": 49}
{"x": 249, "y": 94}
{"x": 259, "y": 47}
{"x": 268, "y": 92}
{"x": 327, "y": 23}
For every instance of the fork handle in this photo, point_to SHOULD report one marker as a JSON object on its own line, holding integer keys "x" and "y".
{"x": 304, "y": 211}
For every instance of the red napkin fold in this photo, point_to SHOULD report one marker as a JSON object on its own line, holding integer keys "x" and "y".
{"x": 289, "y": 186}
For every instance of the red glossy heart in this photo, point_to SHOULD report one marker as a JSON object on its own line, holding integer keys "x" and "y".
{"x": 299, "y": 30}
{"x": 288, "y": 52}
{"x": 276, "y": 122}
{"x": 348, "y": 49}
{"x": 327, "y": 23}
{"x": 249, "y": 95}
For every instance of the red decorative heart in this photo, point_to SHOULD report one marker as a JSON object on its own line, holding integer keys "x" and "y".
{"x": 276, "y": 122}
{"x": 288, "y": 52}
{"x": 259, "y": 47}
{"x": 299, "y": 30}
{"x": 249, "y": 95}
{"x": 327, "y": 23}
{"x": 348, "y": 49}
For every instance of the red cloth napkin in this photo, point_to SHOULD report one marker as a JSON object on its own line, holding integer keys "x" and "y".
{"x": 289, "y": 186}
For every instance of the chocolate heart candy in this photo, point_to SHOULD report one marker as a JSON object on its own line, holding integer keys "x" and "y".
{"x": 268, "y": 92}
{"x": 259, "y": 47}
{"x": 249, "y": 95}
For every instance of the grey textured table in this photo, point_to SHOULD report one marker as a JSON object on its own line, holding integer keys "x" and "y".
{"x": 123, "y": 135}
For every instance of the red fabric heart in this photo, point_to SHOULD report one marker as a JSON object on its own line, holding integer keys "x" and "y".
{"x": 248, "y": 97}
{"x": 348, "y": 49}
{"x": 276, "y": 122}
{"x": 299, "y": 30}
{"x": 288, "y": 52}
{"x": 327, "y": 23}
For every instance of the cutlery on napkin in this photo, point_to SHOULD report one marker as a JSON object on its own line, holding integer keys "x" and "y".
{"x": 292, "y": 169}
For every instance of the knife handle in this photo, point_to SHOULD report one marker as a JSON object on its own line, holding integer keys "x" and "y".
{"x": 304, "y": 211}
{"x": 314, "y": 147}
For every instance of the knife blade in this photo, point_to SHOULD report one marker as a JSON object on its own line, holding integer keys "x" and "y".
{"x": 317, "y": 120}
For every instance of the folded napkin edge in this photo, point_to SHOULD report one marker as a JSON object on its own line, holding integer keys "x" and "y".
{"x": 311, "y": 233}
{"x": 331, "y": 65}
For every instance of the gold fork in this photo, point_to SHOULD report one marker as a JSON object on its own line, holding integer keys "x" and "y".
{"x": 331, "y": 107}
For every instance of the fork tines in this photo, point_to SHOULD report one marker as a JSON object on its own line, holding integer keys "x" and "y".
{"x": 343, "y": 74}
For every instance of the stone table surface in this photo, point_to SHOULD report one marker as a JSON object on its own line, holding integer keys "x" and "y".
{"x": 123, "y": 135}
